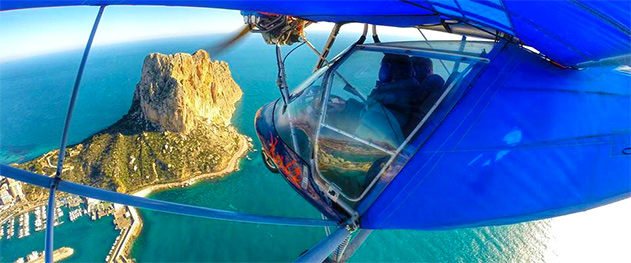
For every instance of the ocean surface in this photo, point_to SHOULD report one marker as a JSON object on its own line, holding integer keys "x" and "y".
{"x": 34, "y": 94}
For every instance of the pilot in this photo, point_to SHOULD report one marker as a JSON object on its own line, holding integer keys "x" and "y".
{"x": 431, "y": 87}
{"x": 387, "y": 106}
{"x": 396, "y": 79}
{"x": 404, "y": 84}
{"x": 405, "y": 87}
{"x": 422, "y": 68}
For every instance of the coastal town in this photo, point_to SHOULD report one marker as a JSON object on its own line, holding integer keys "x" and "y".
{"x": 68, "y": 208}
{"x": 125, "y": 219}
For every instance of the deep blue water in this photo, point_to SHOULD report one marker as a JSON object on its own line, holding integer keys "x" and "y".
{"x": 34, "y": 94}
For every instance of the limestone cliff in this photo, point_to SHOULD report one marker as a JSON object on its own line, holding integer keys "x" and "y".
{"x": 177, "y": 127}
{"x": 178, "y": 91}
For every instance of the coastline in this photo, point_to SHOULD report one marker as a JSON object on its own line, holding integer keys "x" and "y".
{"x": 128, "y": 237}
{"x": 122, "y": 245}
{"x": 233, "y": 165}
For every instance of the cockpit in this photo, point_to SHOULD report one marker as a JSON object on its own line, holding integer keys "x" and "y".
{"x": 351, "y": 121}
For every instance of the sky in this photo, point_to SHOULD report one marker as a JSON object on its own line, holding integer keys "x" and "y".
{"x": 45, "y": 30}
{"x": 32, "y": 32}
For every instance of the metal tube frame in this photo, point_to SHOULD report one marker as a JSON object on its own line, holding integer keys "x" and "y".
{"x": 355, "y": 244}
{"x": 375, "y": 37}
{"x": 327, "y": 46}
{"x": 157, "y": 205}
{"x": 325, "y": 247}
{"x": 48, "y": 243}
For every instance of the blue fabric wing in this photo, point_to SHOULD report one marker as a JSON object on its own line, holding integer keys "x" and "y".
{"x": 569, "y": 32}
{"x": 527, "y": 140}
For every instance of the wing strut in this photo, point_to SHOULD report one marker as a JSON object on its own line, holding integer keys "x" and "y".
{"x": 430, "y": 46}
{"x": 375, "y": 37}
{"x": 337, "y": 247}
{"x": 157, "y": 205}
{"x": 355, "y": 243}
{"x": 327, "y": 46}
{"x": 325, "y": 247}
{"x": 48, "y": 255}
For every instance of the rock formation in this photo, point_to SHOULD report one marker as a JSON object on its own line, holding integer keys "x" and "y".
{"x": 177, "y": 127}
{"x": 178, "y": 91}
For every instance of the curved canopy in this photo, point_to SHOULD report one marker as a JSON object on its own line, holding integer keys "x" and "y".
{"x": 569, "y": 32}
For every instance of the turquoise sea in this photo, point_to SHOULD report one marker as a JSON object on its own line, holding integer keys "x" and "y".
{"x": 34, "y": 94}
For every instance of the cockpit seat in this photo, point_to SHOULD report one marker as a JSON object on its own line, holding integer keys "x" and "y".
{"x": 433, "y": 82}
{"x": 430, "y": 90}
{"x": 436, "y": 87}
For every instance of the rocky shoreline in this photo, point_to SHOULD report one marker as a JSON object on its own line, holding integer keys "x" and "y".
{"x": 177, "y": 132}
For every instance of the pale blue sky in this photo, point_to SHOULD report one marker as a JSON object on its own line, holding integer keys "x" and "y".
{"x": 39, "y": 31}
{"x": 45, "y": 30}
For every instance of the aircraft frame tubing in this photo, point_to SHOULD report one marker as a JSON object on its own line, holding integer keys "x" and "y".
{"x": 325, "y": 247}
{"x": 157, "y": 205}
{"x": 48, "y": 242}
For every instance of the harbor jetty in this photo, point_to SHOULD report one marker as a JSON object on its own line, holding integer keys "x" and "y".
{"x": 38, "y": 257}
{"x": 128, "y": 221}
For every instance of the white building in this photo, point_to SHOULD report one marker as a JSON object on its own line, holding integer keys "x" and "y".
{"x": 15, "y": 189}
{"x": 5, "y": 197}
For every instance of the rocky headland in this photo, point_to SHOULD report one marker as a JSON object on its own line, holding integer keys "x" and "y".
{"x": 176, "y": 132}
{"x": 177, "y": 128}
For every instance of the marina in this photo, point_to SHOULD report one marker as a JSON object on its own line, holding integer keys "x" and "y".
{"x": 40, "y": 218}
{"x": 58, "y": 216}
{"x": 76, "y": 207}
{"x": 75, "y": 214}
{"x": 127, "y": 221}
{"x": 11, "y": 231}
{"x": 24, "y": 229}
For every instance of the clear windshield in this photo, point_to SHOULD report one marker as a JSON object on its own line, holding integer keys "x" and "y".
{"x": 374, "y": 100}
{"x": 296, "y": 124}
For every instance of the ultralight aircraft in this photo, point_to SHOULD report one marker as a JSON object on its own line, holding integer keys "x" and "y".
{"x": 530, "y": 123}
